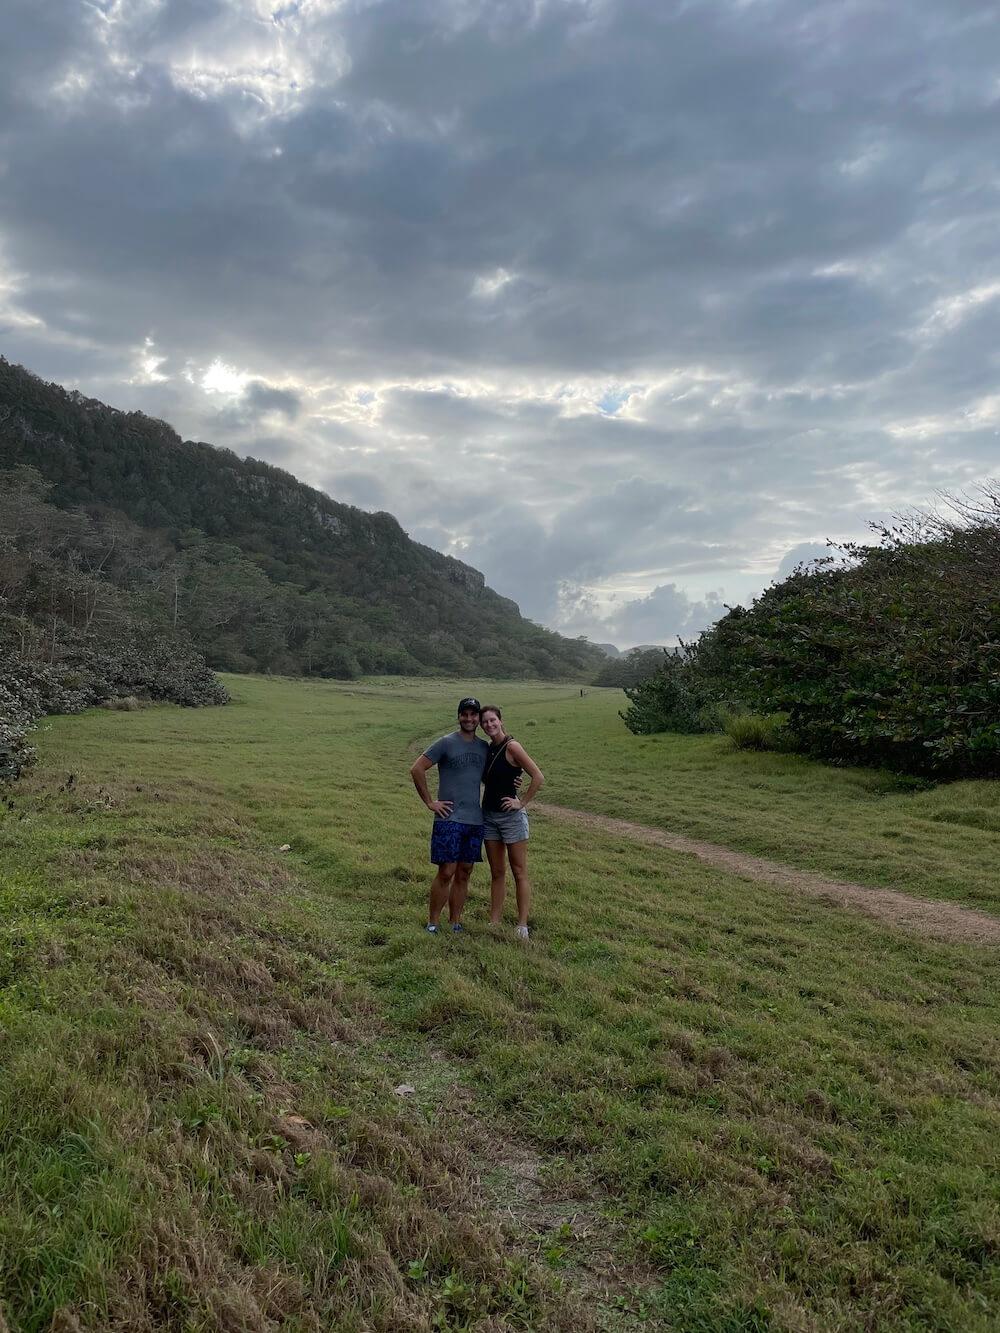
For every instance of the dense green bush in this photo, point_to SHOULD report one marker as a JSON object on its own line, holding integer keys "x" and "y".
{"x": 888, "y": 656}
{"x": 891, "y": 659}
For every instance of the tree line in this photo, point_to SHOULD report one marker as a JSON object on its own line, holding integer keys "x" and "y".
{"x": 631, "y": 668}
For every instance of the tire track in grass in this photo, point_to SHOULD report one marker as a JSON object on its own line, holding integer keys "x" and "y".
{"x": 922, "y": 916}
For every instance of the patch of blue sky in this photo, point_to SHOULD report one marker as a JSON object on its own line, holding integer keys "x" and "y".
{"x": 613, "y": 400}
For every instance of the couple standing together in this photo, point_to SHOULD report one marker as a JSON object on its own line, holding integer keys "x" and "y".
{"x": 464, "y": 819}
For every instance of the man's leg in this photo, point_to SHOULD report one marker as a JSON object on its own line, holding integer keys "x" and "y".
{"x": 459, "y": 892}
{"x": 518, "y": 853}
{"x": 440, "y": 890}
{"x": 497, "y": 854}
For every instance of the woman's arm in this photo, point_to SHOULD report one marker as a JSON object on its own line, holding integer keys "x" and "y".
{"x": 520, "y": 756}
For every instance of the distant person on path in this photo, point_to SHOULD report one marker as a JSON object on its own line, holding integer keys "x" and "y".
{"x": 504, "y": 816}
{"x": 457, "y": 832}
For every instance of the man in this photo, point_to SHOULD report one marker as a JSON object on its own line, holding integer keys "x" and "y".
{"x": 457, "y": 832}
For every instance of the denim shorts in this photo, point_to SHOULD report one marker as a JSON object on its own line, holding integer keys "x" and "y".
{"x": 505, "y": 826}
{"x": 451, "y": 841}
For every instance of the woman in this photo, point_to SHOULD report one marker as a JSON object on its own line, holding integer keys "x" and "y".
{"x": 504, "y": 818}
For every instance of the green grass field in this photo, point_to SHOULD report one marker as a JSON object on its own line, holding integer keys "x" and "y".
{"x": 692, "y": 1102}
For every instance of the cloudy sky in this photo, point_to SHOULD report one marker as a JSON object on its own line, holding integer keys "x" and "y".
{"x": 628, "y": 303}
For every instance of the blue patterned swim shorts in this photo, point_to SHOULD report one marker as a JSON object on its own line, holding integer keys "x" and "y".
{"x": 451, "y": 841}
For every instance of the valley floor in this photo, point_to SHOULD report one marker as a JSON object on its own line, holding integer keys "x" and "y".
{"x": 243, "y": 1090}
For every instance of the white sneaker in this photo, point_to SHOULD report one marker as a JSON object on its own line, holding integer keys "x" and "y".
{"x": 522, "y": 932}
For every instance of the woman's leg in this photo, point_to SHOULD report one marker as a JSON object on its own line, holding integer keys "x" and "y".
{"x": 498, "y": 884}
{"x": 518, "y": 853}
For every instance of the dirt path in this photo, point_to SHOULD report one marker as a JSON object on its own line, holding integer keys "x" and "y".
{"x": 941, "y": 920}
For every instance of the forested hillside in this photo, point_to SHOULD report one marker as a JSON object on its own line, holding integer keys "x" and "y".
{"x": 263, "y": 572}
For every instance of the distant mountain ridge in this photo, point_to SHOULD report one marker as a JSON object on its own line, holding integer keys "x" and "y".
{"x": 346, "y": 591}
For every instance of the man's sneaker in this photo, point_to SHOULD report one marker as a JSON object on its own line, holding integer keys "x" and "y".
{"x": 458, "y": 928}
{"x": 522, "y": 932}
{"x": 431, "y": 930}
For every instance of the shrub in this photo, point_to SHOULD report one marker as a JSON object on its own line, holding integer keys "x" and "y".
{"x": 16, "y": 716}
{"x": 889, "y": 657}
{"x": 151, "y": 666}
{"x": 754, "y": 731}
{"x": 674, "y": 699}
{"x": 117, "y": 672}
{"x": 15, "y": 752}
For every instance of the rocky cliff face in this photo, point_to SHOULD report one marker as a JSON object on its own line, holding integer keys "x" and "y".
{"x": 465, "y": 576}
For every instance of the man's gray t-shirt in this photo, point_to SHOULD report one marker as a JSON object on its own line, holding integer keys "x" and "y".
{"x": 460, "y": 773}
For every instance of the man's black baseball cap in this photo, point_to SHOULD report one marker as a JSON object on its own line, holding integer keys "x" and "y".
{"x": 472, "y": 704}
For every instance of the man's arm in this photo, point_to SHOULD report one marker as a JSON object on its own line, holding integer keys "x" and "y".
{"x": 418, "y": 773}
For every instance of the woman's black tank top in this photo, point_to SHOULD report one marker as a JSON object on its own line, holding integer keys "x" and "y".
{"x": 498, "y": 780}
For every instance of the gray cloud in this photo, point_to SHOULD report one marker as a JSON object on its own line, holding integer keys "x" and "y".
{"x": 261, "y": 399}
{"x": 664, "y": 615}
{"x": 257, "y": 402}
{"x": 621, "y": 302}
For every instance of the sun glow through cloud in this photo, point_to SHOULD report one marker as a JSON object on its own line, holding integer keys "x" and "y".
{"x": 224, "y": 379}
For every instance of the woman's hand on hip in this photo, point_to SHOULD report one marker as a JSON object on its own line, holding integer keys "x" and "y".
{"x": 511, "y": 803}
